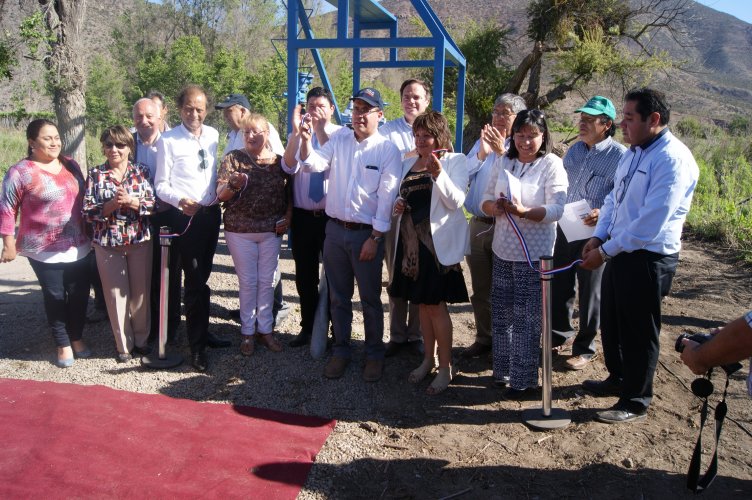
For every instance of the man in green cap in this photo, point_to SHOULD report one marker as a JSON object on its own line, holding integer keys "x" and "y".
{"x": 590, "y": 164}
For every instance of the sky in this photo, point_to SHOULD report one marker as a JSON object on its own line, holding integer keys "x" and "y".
{"x": 737, "y": 8}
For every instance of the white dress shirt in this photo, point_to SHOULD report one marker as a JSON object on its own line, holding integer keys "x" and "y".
{"x": 400, "y": 133}
{"x": 236, "y": 140}
{"x": 543, "y": 183}
{"x": 363, "y": 177}
{"x": 178, "y": 174}
{"x": 302, "y": 179}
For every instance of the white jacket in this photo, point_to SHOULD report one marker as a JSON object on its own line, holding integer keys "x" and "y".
{"x": 449, "y": 228}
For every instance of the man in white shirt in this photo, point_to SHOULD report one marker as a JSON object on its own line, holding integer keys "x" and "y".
{"x": 235, "y": 108}
{"x": 363, "y": 171}
{"x": 404, "y": 322}
{"x": 309, "y": 218}
{"x": 186, "y": 179}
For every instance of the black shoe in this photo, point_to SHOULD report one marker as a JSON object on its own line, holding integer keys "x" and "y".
{"x": 511, "y": 394}
{"x": 215, "y": 342}
{"x": 476, "y": 349}
{"x": 200, "y": 361}
{"x": 300, "y": 340}
{"x": 235, "y": 314}
{"x": 142, "y": 351}
{"x": 602, "y": 387}
{"x": 416, "y": 348}
{"x": 392, "y": 348}
{"x": 620, "y": 416}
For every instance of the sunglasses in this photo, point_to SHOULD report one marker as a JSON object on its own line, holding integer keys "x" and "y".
{"x": 204, "y": 163}
{"x": 118, "y": 145}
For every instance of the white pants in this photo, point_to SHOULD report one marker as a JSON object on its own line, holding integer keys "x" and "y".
{"x": 255, "y": 256}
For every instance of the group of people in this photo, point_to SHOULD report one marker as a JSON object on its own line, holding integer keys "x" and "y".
{"x": 354, "y": 197}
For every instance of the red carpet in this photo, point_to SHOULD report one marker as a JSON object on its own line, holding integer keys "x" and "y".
{"x": 64, "y": 440}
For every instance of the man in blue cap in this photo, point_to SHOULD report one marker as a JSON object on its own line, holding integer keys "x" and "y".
{"x": 364, "y": 169}
{"x": 590, "y": 165}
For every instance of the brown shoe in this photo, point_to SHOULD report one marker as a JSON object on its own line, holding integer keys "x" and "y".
{"x": 335, "y": 368}
{"x": 578, "y": 362}
{"x": 268, "y": 340}
{"x": 373, "y": 370}
{"x": 476, "y": 349}
{"x": 246, "y": 345}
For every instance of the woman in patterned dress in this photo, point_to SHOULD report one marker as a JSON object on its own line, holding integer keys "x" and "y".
{"x": 47, "y": 188}
{"x": 432, "y": 241}
{"x": 258, "y": 206}
{"x": 119, "y": 200}
{"x": 535, "y": 201}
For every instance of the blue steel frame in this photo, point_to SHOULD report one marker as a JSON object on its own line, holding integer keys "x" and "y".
{"x": 370, "y": 15}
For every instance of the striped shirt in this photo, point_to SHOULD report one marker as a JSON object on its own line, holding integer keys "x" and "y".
{"x": 591, "y": 170}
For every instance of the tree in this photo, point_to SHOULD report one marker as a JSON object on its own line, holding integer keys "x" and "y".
{"x": 66, "y": 77}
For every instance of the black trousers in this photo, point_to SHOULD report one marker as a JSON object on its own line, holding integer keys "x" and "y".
{"x": 195, "y": 252}
{"x": 175, "y": 282}
{"x": 632, "y": 288}
{"x": 65, "y": 288}
{"x": 563, "y": 293}
{"x": 308, "y": 233}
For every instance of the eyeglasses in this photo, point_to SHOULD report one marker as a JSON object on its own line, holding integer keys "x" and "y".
{"x": 118, "y": 145}
{"x": 363, "y": 112}
{"x": 204, "y": 162}
{"x": 253, "y": 133}
{"x": 499, "y": 114}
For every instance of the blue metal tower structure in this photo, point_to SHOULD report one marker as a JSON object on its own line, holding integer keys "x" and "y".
{"x": 369, "y": 15}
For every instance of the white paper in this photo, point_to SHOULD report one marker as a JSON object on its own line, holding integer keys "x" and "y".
{"x": 571, "y": 222}
{"x": 514, "y": 189}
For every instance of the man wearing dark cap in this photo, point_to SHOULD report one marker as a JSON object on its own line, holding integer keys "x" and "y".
{"x": 364, "y": 168}
{"x": 590, "y": 165}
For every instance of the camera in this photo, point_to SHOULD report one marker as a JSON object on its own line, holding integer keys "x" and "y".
{"x": 701, "y": 338}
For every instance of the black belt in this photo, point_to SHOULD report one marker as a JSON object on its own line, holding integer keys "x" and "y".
{"x": 485, "y": 220}
{"x": 352, "y": 226}
{"x": 312, "y": 213}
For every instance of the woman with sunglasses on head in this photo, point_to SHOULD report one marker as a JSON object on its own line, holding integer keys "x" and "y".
{"x": 535, "y": 202}
{"x": 431, "y": 242}
{"x": 257, "y": 199}
{"x": 47, "y": 188}
{"x": 119, "y": 200}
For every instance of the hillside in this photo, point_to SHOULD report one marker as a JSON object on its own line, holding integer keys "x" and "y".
{"x": 716, "y": 79}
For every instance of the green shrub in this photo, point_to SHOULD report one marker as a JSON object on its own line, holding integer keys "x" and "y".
{"x": 689, "y": 127}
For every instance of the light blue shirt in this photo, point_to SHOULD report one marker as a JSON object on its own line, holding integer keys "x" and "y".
{"x": 651, "y": 198}
{"x": 480, "y": 173}
{"x": 591, "y": 170}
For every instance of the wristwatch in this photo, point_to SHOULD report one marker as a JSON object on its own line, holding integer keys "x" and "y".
{"x": 606, "y": 257}
{"x": 377, "y": 239}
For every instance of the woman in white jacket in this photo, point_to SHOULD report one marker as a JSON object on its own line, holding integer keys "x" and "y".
{"x": 432, "y": 240}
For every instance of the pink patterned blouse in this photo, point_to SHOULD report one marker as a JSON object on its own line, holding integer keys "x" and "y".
{"x": 50, "y": 206}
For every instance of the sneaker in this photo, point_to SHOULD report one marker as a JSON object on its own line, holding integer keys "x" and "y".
{"x": 335, "y": 368}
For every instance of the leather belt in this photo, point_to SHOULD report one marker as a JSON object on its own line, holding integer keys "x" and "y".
{"x": 352, "y": 226}
{"x": 312, "y": 213}
{"x": 484, "y": 220}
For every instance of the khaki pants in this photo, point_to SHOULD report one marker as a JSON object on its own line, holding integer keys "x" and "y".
{"x": 126, "y": 281}
{"x": 480, "y": 262}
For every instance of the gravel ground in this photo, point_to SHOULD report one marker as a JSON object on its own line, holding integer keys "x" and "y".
{"x": 392, "y": 440}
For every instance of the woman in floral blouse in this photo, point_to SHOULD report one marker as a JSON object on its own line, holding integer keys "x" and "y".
{"x": 118, "y": 202}
{"x": 258, "y": 208}
{"x": 47, "y": 188}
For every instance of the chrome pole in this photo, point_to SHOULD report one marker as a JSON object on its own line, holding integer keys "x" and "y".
{"x": 546, "y": 264}
{"x": 164, "y": 287}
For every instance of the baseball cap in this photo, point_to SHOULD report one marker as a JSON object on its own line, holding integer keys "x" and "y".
{"x": 598, "y": 105}
{"x": 232, "y": 100}
{"x": 369, "y": 95}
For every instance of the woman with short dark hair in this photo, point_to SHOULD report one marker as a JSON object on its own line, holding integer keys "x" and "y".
{"x": 47, "y": 188}
{"x": 119, "y": 200}
{"x": 530, "y": 184}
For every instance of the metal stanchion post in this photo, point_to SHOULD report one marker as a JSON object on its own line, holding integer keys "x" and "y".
{"x": 546, "y": 418}
{"x": 163, "y": 360}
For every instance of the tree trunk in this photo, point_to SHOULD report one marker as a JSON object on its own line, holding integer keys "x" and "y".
{"x": 66, "y": 74}
{"x": 515, "y": 83}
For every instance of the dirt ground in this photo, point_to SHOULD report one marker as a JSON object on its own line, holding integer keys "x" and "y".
{"x": 394, "y": 441}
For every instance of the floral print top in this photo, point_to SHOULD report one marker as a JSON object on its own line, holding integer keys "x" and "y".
{"x": 261, "y": 203}
{"x": 122, "y": 226}
{"x": 50, "y": 206}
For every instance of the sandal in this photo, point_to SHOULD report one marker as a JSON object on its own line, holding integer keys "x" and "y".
{"x": 246, "y": 345}
{"x": 420, "y": 372}
{"x": 441, "y": 382}
{"x": 268, "y": 340}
